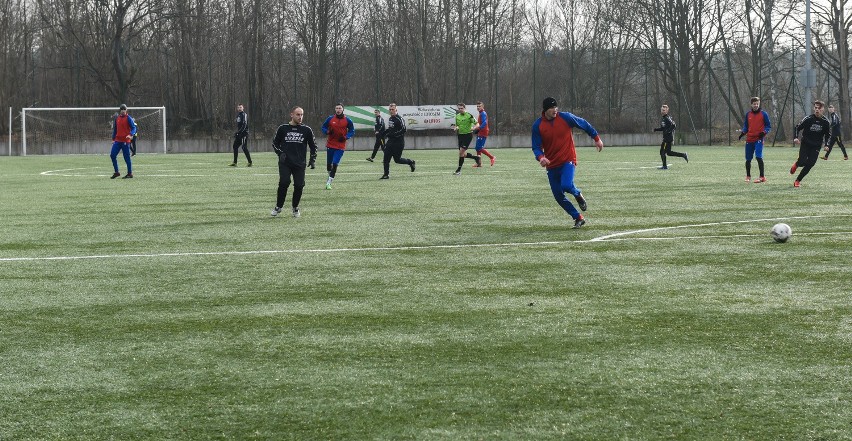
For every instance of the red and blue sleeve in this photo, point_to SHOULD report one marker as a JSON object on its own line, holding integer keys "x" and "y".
{"x": 580, "y": 123}
{"x": 325, "y": 125}
{"x": 766, "y": 125}
{"x": 536, "y": 139}
{"x": 350, "y": 126}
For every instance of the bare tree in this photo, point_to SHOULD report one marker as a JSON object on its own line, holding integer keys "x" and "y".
{"x": 601, "y": 57}
{"x": 831, "y": 50}
{"x": 16, "y": 48}
{"x": 320, "y": 26}
{"x": 104, "y": 33}
{"x": 678, "y": 36}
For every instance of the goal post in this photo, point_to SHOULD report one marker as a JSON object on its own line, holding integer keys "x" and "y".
{"x": 87, "y": 130}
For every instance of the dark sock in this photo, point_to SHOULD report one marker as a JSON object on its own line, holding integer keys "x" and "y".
{"x": 333, "y": 171}
{"x": 748, "y": 168}
{"x": 760, "y": 166}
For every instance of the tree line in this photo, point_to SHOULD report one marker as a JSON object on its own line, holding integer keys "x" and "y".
{"x": 614, "y": 62}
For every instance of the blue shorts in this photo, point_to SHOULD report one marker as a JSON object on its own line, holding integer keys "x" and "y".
{"x": 333, "y": 156}
{"x": 754, "y": 149}
{"x": 480, "y": 143}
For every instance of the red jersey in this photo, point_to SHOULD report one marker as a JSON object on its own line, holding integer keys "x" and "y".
{"x": 755, "y": 124}
{"x": 122, "y": 128}
{"x": 338, "y": 129}
{"x": 553, "y": 138}
{"x": 483, "y": 124}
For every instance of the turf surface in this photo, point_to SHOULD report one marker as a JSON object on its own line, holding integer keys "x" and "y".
{"x": 427, "y": 306}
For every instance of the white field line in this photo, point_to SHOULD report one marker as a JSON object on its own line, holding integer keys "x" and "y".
{"x": 833, "y": 233}
{"x": 74, "y": 172}
{"x": 710, "y": 224}
{"x": 610, "y": 237}
{"x": 317, "y": 250}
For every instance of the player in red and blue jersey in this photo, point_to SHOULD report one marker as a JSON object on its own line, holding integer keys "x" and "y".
{"x": 755, "y": 127}
{"x": 123, "y": 129}
{"x": 553, "y": 146}
{"x": 482, "y": 135}
{"x": 339, "y": 128}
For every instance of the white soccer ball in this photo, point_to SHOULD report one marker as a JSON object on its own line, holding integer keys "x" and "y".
{"x": 781, "y": 232}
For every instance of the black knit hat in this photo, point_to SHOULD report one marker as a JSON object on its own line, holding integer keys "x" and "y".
{"x": 548, "y": 103}
{"x": 122, "y": 107}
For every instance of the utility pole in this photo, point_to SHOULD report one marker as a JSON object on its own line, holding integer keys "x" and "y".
{"x": 808, "y": 76}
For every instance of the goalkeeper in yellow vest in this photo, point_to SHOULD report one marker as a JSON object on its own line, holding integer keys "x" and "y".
{"x": 464, "y": 127}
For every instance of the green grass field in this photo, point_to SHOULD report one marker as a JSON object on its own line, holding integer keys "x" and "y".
{"x": 429, "y": 306}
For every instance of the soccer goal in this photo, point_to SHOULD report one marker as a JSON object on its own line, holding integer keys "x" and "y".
{"x": 88, "y": 130}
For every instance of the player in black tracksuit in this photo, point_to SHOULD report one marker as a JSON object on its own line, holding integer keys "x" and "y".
{"x": 667, "y": 126}
{"x": 241, "y": 136}
{"x": 836, "y": 134}
{"x": 291, "y": 142}
{"x": 815, "y": 132}
{"x": 380, "y": 135}
{"x": 395, "y": 134}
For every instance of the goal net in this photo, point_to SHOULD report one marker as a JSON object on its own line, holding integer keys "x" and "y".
{"x": 54, "y": 131}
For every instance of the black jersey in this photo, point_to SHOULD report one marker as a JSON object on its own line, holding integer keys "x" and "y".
{"x": 380, "y": 125}
{"x": 835, "y": 124}
{"x": 396, "y": 127}
{"x": 667, "y": 126}
{"x": 293, "y": 141}
{"x": 242, "y": 123}
{"x": 816, "y": 131}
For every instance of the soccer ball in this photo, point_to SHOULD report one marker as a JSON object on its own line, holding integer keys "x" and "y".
{"x": 781, "y": 232}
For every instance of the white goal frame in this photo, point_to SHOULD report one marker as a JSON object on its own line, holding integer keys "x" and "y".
{"x": 41, "y": 109}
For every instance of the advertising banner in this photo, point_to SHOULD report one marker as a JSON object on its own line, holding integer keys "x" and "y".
{"x": 415, "y": 117}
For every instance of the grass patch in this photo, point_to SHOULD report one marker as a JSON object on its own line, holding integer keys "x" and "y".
{"x": 428, "y": 306}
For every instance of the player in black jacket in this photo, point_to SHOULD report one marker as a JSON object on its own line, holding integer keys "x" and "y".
{"x": 290, "y": 143}
{"x": 395, "y": 134}
{"x": 380, "y": 135}
{"x": 815, "y": 132}
{"x": 836, "y": 134}
{"x": 667, "y": 126}
{"x": 241, "y": 136}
